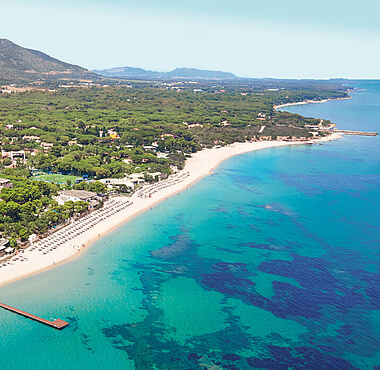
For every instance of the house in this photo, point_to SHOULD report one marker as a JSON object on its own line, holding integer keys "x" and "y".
{"x": 130, "y": 181}
{"x": 158, "y": 175}
{"x": 162, "y": 155}
{"x": 14, "y": 155}
{"x": 8, "y": 250}
{"x": 5, "y": 183}
{"x": 113, "y": 181}
{"x": 3, "y": 246}
{"x": 17, "y": 154}
{"x": 76, "y": 196}
{"x": 28, "y": 138}
{"x": 46, "y": 146}
{"x": 113, "y": 134}
{"x": 174, "y": 169}
{"x": 31, "y": 151}
{"x": 136, "y": 178}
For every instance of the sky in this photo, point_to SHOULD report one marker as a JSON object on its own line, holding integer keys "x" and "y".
{"x": 267, "y": 38}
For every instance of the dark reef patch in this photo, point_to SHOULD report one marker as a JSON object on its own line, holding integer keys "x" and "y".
{"x": 180, "y": 246}
{"x": 299, "y": 358}
{"x": 322, "y": 297}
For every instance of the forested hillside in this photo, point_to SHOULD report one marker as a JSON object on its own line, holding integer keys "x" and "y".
{"x": 18, "y": 64}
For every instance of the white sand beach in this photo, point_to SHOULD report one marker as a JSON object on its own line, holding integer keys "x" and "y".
{"x": 74, "y": 239}
{"x": 276, "y": 107}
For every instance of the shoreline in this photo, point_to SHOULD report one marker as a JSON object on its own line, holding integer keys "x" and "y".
{"x": 200, "y": 165}
{"x": 276, "y": 107}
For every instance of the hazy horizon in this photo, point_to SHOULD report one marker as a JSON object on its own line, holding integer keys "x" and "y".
{"x": 266, "y": 40}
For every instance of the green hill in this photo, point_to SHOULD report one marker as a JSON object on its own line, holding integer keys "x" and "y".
{"x": 18, "y": 64}
{"x": 178, "y": 73}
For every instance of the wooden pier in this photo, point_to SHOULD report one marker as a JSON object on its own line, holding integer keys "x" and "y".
{"x": 56, "y": 324}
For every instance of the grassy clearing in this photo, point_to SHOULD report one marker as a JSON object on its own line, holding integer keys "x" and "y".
{"x": 61, "y": 179}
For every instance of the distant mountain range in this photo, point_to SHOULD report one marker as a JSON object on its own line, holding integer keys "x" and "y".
{"x": 18, "y": 64}
{"x": 178, "y": 73}
{"x": 22, "y": 65}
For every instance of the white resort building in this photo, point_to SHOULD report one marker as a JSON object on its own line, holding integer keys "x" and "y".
{"x": 76, "y": 196}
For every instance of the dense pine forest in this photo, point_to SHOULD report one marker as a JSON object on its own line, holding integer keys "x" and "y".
{"x": 101, "y": 131}
{"x": 90, "y": 130}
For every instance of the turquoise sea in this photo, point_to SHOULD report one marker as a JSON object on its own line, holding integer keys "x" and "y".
{"x": 272, "y": 262}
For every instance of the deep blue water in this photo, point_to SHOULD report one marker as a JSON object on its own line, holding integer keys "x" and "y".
{"x": 272, "y": 262}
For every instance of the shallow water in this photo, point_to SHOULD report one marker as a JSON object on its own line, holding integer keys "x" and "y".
{"x": 271, "y": 262}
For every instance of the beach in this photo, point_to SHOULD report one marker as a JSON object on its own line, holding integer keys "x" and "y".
{"x": 276, "y": 107}
{"x": 33, "y": 261}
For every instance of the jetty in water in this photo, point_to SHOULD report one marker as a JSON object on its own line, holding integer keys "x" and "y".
{"x": 56, "y": 324}
{"x": 350, "y": 132}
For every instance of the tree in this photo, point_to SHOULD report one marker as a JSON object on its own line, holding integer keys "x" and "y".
{"x": 102, "y": 172}
{"x": 42, "y": 224}
{"x": 97, "y": 187}
{"x": 13, "y": 243}
{"x": 69, "y": 208}
{"x": 80, "y": 207}
{"x": 81, "y": 125}
{"x": 23, "y": 234}
{"x": 55, "y": 151}
{"x": 7, "y": 161}
{"x": 12, "y": 210}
